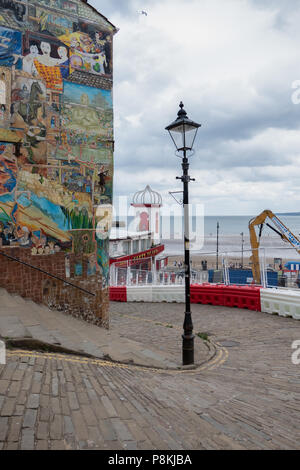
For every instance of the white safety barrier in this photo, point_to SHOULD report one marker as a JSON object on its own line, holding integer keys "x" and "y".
{"x": 139, "y": 294}
{"x": 156, "y": 294}
{"x": 284, "y": 302}
{"x": 168, "y": 294}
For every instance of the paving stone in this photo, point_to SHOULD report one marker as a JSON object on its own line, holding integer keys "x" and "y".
{"x": 44, "y": 400}
{"x": 42, "y": 445}
{"x": 3, "y": 428}
{"x": 56, "y": 427}
{"x": 68, "y": 426}
{"x": 130, "y": 445}
{"x": 89, "y": 415}
{"x": 14, "y": 429}
{"x": 99, "y": 410}
{"x": 27, "y": 440}
{"x": 45, "y": 390}
{"x": 54, "y": 387}
{"x": 107, "y": 430}
{"x": 65, "y": 408}
{"x": 22, "y": 398}
{"x": 79, "y": 425}
{"x": 18, "y": 374}
{"x": 33, "y": 401}
{"x": 3, "y": 386}
{"x": 122, "y": 430}
{"x": 8, "y": 371}
{"x": 57, "y": 445}
{"x": 122, "y": 412}
{"x": 26, "y": 383}
{"x": 136, "y": 431}
{"x": 10, "y": 446}
{"x": 109, "y": 407}
{"x": 19, "y": 410}
{"x": 83, "y": 398}
{"x": 73, "y": 402}
{"x": 55, "y": 405}
{"x": 29, "y": 419}
{"x": 14, "y": 389}
{"x": 8, "y": 407}
{"x": 42, "y": 430}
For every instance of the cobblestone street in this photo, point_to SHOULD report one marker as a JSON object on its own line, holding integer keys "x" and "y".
{"x": 245, "y": 397}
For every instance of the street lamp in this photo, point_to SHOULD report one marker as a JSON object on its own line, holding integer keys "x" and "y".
{"x": 242, "y": 235}
{"x": 218, "y": 226}
{"x": 183, "y": 133}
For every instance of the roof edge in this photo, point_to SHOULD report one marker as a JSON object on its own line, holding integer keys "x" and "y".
{"x": 106, "y": 19}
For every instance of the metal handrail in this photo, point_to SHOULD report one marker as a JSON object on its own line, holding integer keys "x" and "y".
{"x": 12, "y": 258}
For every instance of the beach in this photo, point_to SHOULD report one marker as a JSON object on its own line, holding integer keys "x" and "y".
{"x": 273, "y": 252}
{"x": 232, "y": 261}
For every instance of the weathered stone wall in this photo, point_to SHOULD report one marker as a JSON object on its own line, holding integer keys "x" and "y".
{"x": 43, "y": 289}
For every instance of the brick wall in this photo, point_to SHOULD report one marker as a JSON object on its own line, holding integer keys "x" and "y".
{"x": 55, "y": 294}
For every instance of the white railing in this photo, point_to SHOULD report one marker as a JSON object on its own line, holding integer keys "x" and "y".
{"x": 138, "y": 277}
{"x": 129, "y": 275}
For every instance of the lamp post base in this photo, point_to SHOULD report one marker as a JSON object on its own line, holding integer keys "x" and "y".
{"x": 188, "y": 349}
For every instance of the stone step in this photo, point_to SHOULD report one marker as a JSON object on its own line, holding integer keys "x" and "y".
{"x": 10, "y": 299}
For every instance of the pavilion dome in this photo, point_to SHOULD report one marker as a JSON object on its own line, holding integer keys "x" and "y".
{"x": 147, "y": 196}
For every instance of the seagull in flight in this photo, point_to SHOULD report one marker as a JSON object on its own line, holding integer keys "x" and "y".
{"x": 143, "y": 12}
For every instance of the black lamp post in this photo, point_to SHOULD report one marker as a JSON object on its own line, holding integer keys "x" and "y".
{"x": 183, "y": 132}
{"x": 242, "y": 235}
{"x": 218, "y": 226}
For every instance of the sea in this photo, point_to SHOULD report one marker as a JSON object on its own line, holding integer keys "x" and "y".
{"x": 233, "y": 236}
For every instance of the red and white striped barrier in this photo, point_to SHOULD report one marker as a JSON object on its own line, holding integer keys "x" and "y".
{"x": 283, "y": 302}
{"x": 213, "y": 294}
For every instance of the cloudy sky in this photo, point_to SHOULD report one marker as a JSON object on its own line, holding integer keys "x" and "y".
{"x": 234, "y": 64}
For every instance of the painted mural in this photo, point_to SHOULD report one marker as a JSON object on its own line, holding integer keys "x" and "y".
{"x": 10, "y": 48}
{"x": 63, "y": 117}
{"x": 15, "y": 8}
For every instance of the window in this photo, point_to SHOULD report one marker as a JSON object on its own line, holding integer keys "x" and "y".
{"x": 126, "y": 248}
{"x": 135, "y": 246}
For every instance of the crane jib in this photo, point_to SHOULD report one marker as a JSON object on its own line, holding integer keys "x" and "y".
{"x": 286, "y": 232}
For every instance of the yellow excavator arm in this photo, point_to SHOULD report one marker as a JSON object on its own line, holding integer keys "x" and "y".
{"x": 280, "y": 229}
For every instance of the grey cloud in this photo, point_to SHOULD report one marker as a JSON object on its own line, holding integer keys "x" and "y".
{"x": 230, "y": 118}
{"x": 109, "y": 7}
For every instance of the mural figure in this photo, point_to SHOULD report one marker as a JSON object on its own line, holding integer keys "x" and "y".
{"x": 2, "y": 111}
{"x": 29, "y": 111}
{"x": 89, "y": 51}
{"x": 28, "y": 61}
{"x": 63, "y": 61}
{"x": 48, "y": 58}
{"x": 102, "y": 179}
